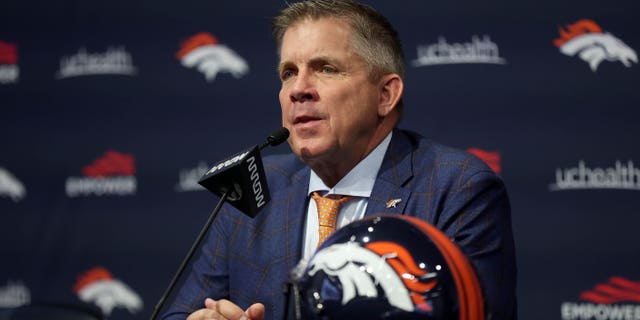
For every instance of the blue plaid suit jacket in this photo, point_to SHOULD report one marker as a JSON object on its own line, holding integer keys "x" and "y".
{"x": 248, "y": 260}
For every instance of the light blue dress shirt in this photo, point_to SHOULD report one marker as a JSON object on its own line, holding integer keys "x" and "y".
{"x": 357, "y": 183}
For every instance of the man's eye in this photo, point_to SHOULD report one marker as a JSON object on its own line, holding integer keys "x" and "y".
{"x": 328, "y": 69}
{"x": 286, "y": 74}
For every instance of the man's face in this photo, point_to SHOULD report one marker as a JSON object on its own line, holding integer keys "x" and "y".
{"x": 328, "y": 102}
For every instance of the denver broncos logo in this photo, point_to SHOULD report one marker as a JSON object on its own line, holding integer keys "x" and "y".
{"x": 98, "y": 286}
{"x": 210, "y": 57}
{"x": 586, "y": 39}
{"x": 10, "y": 186}
{"x": 361, "y": 270}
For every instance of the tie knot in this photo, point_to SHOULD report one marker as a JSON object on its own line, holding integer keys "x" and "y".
{"x": 332, "y": 199}
{"x": 328, "y": 208}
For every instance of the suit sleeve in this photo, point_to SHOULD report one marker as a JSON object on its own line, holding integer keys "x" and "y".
{"x": 208, "y": 277}
{"x": 477, "y": 218}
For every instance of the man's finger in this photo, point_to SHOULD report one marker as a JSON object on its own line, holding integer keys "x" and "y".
{"x": 201, "y": 314}
{"x": 255, "y": 311}
{"x": 210, "y": 303}
{"x": 228, "y": 309}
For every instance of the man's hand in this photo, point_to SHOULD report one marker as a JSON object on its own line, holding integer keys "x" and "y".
{"x": 226, "y": 310}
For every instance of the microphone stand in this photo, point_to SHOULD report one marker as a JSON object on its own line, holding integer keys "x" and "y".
{"x": 274, "y": 139}
{"x": 190, "y": 254}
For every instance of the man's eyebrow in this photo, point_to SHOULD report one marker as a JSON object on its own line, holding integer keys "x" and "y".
{"x": 322, "y": 59}
{"x": 313, "y": 62}
{"x": 281, "y": 66}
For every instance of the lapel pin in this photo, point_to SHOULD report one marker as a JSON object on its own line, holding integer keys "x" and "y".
{"x": 393, "y": 202}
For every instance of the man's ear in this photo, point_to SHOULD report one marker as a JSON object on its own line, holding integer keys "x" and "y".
{"x": 391, "y": 88}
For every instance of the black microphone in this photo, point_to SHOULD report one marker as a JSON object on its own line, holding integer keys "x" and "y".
{"x": 277, "y": 137}
{"x": 243, "y": 176}
{"x": 239, "y": 179}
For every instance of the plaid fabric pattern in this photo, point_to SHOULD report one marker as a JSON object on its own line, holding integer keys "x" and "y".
{"x": 248, "y": 260}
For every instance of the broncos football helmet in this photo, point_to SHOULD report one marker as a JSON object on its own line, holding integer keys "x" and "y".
{"x": 387, "y": 267}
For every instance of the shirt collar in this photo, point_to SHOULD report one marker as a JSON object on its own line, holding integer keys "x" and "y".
{"x": 360, "y": 180}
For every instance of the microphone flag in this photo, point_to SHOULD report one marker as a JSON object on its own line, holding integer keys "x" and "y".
{"x": 243, "y": 176}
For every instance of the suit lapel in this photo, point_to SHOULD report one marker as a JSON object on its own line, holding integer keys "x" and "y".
{"x": 388, "y": 195}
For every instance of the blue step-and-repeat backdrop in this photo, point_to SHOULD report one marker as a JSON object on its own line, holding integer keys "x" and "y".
{"x": 111, "y": 110}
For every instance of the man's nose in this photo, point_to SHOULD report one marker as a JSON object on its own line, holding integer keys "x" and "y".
{"x": 303, "y": 88}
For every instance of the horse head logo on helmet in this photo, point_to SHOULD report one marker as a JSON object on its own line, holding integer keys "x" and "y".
{"x": 388, "y": 267}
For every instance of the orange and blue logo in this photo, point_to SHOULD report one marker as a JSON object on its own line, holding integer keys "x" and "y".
{"x": 98, "y": 286}
{"x": 10, "y": 186}
{"x": 396, "y": 273}
{"x": 589, "y": 42}
{"x": 203, "y": 52}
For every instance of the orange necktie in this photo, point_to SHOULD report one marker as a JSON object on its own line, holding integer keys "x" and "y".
{"x": 328, "y": 214}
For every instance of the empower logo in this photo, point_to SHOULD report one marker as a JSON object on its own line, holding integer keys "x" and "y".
{"x": 478, "y": 50}
{"x": 616, "y": 290}
{"x": 114, "y": 61}
{"x": 111, "y": 174}
{"x": 9, "y": 71}
{"x": 202, "y": 51}
{"x": 98, "y": 286}
{"x": 586, "y": 39}
{"x": 10, "y": 186}
{"x": 618, "y": 298}
{"x": 491, "y": 158}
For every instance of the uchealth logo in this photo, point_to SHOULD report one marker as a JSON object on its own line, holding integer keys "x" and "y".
{"x": 9, "y": 71}
{"x": 491, "y": 158}
{"x": 14, "y": 294}
{"x": 586, "y": 39}
{"x": 203, "y": 52}
{"x": 111, "y": 174}
{"x": 98, "y": 286}
{"x": 188, "y": 178}
{"x": 620, "y": 175}
{"x": 10, "y": 186}
{"x": 618, "y": 298}
{"x": 114, "y": 61}
{"x": 478, "y": 50}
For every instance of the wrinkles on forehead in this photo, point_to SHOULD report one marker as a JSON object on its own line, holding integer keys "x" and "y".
{"x": 343, "y": 32}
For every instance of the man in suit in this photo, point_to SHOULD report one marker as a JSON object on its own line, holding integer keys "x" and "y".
{"x": 341, "y": 67}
